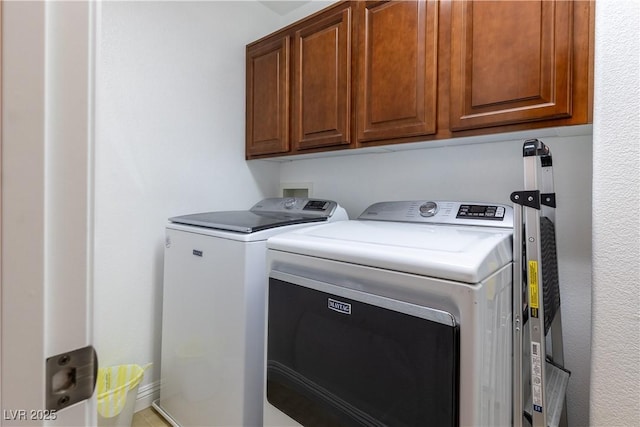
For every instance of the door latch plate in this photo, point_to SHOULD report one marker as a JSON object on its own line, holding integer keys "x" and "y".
{"x": 71, "y": 377}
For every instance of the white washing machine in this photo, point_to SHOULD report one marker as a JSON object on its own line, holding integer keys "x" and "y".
{"x": 399, "y": 318}
{"x": 215, "y": 281}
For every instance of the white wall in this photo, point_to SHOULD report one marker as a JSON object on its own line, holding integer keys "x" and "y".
{"x": 483, "y": 172}
{"x": 615, "y": 381}
{"x": 169, "y": 141}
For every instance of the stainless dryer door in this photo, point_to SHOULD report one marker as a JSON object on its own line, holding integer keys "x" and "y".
{"x": 341, "y": 357}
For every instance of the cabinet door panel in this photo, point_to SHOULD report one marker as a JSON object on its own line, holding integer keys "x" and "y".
{"x": 267, "y": 121}
{"x": 510, "y": 62}
{"x": 322, "y": 82}
{"x": 397, "y": 84}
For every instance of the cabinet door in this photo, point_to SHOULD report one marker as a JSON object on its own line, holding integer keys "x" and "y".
{"x": 322, "y": 81}
{"x": 267, "y": 109}
{"x": 397, "y": 73}
{"x": 510, "y": 62}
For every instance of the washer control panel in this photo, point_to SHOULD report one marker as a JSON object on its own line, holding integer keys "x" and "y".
{"x": 441, "y": 212}
{"x": 296, "y": 205}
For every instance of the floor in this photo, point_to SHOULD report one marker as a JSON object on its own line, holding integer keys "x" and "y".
{"x": 148, "y": 418}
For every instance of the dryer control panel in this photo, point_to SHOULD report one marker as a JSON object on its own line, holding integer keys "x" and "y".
{"x": 442, "y": 212}
{"x": 491, "y": 212}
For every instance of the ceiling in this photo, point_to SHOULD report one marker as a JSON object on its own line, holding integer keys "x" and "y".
{"x": 282, "y": 7}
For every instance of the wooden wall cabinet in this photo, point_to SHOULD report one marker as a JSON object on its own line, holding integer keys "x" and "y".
{"x": 397, "y": 72}
{"x": 367, "y": 73}
{"x": 299, "y": 86}
{"x": 267, "y": 97}
{"x": 513, "y": 61}
{"x": 322, "y": 81}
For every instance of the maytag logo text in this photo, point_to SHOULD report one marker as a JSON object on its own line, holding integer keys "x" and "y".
{"x": 340, "y": 307}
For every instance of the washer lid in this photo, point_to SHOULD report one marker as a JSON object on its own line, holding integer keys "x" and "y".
{"x": 244, "y": 221}
{"x": 266, "y": 214}
{"x": 461, "y": 253}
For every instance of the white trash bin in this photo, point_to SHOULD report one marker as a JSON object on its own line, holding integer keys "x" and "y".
{"x": 117, "y": 391}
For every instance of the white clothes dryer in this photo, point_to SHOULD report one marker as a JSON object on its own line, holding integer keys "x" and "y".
{"x": 399, "y": 318}
{"x": 215, "y": 281}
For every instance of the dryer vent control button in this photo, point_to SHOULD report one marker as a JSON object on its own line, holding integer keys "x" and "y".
{"x": 428, "y": 209}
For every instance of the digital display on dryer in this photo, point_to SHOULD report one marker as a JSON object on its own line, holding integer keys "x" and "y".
{"x": 495, "y": 213}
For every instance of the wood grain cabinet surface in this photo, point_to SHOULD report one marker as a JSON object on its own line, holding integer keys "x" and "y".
{"x": 267, "y": 97}
{"x": 512, "y": 61}
{"x": 321, "y": 114}
{"x": 363, "y": 73}
{"x": 299, "y": 86}
{"x": 397, "y": 78}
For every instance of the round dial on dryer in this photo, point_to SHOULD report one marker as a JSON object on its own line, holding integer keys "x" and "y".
{"x": 428, "y": 209}
{"x": 290, "y": 203}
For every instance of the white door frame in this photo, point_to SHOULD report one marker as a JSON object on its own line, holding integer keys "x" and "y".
{"x": 1, "y": 5}
{"x": 47, "y": 193}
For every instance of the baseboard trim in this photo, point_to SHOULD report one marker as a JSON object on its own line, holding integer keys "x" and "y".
{"x": 146, "y": 395}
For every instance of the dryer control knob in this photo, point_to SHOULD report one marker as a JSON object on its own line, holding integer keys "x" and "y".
{"x": 290, "y": 203}
{"x": 428, "y": 209}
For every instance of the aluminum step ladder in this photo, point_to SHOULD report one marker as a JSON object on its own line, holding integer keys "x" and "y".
{"x": 539, "y": 378}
